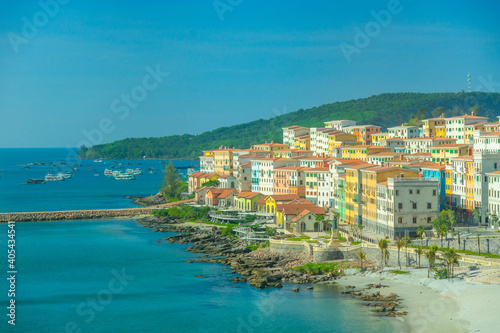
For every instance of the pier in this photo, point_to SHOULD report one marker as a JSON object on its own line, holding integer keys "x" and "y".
{"x": 85, "y": 214}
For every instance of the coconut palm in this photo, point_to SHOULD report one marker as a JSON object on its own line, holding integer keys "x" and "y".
{"x": 442, "y": 231}
{"x": 362, "y": 256}
{"x": 454, "y": 262}
{"x": 382, "y": 245}
{"x": 399, "y": 243}
{"x": 421, "y": 231}
{"x": 419, "y": 251}
{"x": 431, "y": 258}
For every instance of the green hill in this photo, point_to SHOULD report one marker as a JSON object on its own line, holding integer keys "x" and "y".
{"x": 384, "y": 110}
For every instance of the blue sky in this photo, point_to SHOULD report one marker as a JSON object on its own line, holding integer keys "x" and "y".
{"x": 251, "y": 60}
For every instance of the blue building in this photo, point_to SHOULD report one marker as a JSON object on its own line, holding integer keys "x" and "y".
{"x": 437, "y": 172}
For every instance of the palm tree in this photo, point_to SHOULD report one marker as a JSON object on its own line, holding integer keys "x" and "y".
{"x": 407, "y": 241}
{"x": 421, "y": 231}
{"x": 419, "y": 251}
{"x": 382, "y": 245}
{"x": 454, "y": 262}
{"x": 431, "y": 258}
{"x": 361, "y": 256}
{"x": 478, "y": 244}
{"x": 399, "y": 244}
{"x": 442, "y": 230}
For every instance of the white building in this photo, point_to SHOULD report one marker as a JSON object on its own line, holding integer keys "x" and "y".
{"x": 244, "y": 177}
{"x": 403, "y": 132}
{"x": 424, "y": 144}
{"x": 323, "y": 194}
{"x": 266, "y": 172}
{"x": 483, "y": 164}
{"x": 494, "y": 193}
{"x": 291, "y": 132}
{"x": 455, "y": 126}
{"x": 488, "y": 143}
{"x": 339, "y": 124}
{"x": 207, "y": 164}
{"x": 403, "y": 204}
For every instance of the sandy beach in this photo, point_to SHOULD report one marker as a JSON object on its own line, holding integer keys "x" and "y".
{"x": 436, "y": 305}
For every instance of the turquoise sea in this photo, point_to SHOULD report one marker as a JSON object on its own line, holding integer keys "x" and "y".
{"x": 116, "y": 276}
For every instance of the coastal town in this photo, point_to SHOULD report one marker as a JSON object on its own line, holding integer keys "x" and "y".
{"x": 389, "y": 184}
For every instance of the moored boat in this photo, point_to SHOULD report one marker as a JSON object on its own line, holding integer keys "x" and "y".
{"x": 53, "y": 178}
{"x": 34, "y": 181}
{"x": 124, "y": 176}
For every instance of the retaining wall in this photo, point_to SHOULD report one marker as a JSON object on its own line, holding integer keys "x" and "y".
{"x": 487, "y": 245}
{"x": 82, "y": 214}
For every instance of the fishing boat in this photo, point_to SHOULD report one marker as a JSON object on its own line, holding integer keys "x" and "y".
{"x": 108, "y": 172}
{"x": 53, "y": 178}
{"x": 124, "y": 176}
{"x": 34, "y": 181}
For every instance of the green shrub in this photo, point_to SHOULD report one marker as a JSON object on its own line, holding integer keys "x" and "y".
{"x": 320, "y": 268}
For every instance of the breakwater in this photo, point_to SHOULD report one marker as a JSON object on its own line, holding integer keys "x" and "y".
{"x": 84, "y": 214}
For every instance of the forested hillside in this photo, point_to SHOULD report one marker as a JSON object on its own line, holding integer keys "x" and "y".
{"x": 384, "y": 110}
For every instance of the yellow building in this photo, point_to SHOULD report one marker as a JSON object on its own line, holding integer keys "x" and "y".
{"x": 429, "y": 126}
{"x": 377, "y": 137}
{"x": 442, "y": 153}
{"x": 273, "y": 200}
{"x": 303, "y": 142}
{"x": 469, "y": 185}
{"x": 448, "y": 184}
{"x": 361, "y": 152}
{"x": 270, "y": 147}
{"x": 353, "y": 192}
{"x": 369, "y": 179}
{"x": 223, "y": 161}
{"x": 441, "y": 131}
{"x": 207, "y": 177}
{"x": 339, "y": 138}
{"x": 469, "y": 131}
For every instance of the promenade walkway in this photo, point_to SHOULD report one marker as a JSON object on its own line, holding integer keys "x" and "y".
{"x": 84, "y": 214}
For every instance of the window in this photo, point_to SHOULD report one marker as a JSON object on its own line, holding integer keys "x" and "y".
{"x": 400, "y": 205}
{"x": 414, "y": 220}
{"x": 400, "y": 220}
{"x": 397, "y": 192}
{"x": 414, "y": 205}
{"x": 429, "y": 205}
{"x": 411, "y": 191}
{"x": 418, "y": 191}
{"x": 434, "y": 192}
{"x": 429, "y": 219}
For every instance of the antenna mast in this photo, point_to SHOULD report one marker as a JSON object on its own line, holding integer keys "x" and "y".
{"x": 469, "y": 86}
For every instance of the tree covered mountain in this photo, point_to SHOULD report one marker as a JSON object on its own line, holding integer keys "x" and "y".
{"x": 384, "y": 110}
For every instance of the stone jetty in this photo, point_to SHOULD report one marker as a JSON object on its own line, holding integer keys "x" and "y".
{"x": 84, "y": 214}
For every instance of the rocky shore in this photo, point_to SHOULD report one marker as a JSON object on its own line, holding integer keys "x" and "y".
{"x": 151, "y": 200}
{"x": 260, "y": 268}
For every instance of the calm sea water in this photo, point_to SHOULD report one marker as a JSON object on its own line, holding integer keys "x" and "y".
{"x": 84, "y": 191}
{"x": 114, "y": 276}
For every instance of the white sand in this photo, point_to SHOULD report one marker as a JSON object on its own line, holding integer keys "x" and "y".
{"x": 437, "y": 305}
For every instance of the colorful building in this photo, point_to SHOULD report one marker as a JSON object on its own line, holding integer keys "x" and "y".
{"x": 443, "y": 153}
{"x": 361, "y": 152}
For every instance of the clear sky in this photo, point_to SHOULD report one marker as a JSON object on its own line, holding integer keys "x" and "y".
{"x": 85, "y": 66}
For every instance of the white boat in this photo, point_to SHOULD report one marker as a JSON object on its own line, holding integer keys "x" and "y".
{"x": 124, "y": 176}
{"x": 108, "y": 172}
{"x": 129, "y": 171}
{"x": 65, "y": 175}
{"x": 53, "y": 178}
{"x": 97, "y": 161}
{"x": 137, "y": 172}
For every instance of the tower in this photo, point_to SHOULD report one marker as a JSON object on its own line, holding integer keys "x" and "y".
{"x": 469, "y": 86}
